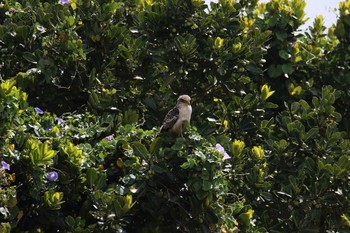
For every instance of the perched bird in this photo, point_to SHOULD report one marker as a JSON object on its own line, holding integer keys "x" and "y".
{"x": 175, "y": 117}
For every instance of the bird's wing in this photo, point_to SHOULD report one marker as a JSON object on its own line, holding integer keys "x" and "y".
{"x": 170, "y": 119}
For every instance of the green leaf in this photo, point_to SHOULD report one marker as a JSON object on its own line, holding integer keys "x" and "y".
{"x": 254, "y": 69}
{"x": 244, "y": 217}
{"x": 311, "y": 133}
{"x": 283, "y": 144}
{"x": 71, "y": 20}
{"x": 53, "y": 199}
{"x": 304, "y": 104}
{"x": 347, "y": 19}
{"x": 30, "y": 57}
{"x": 122, "y": 204}
{"x": 275, "y": 71}
{"x": 206, "y": 185}
{"x": 189, "y": 164}
{"x": 287, "y": 68}
{"x": 158, "y": 169}
{"x": 343, "y": 161}
{"x": 5, "y": 227}
{"x": 281, "y": 35}
{"x": 45, "y": 152}
{"x": 91, "y": 177}
{"x": 140, "y": 150}
{"x": 101, "y": 181}
{"x": 155, "y": 145}
{"x": 271, "y": 105}
{"x": 218, "y": 43}
{"x": 310, "y": 165}
{"x": 150, "y": 102}
{"x": 293, "y": 182}
{"x": 7, "y": 85}
{"x": 272, "y": 21}
{"x": 39, "y": 153}
{"x": 284, "y": 54}
{"x": 70, "y": 221}
{"x": 130, "y": 117}
{"x": 267, "y": 196}
{"x": 295, "y": 90}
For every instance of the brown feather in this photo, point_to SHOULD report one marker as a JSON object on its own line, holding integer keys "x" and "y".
{"x": 170, "y": 119}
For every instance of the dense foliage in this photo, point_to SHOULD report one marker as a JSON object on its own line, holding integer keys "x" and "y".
{"x": 85, "y": 86}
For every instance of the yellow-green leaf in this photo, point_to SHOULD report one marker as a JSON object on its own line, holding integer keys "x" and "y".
{"x": 258, "y": 152}
{"x": 218, "y": 43}
{"x": 265, "y": 92}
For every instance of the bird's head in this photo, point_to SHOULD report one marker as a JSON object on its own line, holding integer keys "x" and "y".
{"x": 184, "y": 99}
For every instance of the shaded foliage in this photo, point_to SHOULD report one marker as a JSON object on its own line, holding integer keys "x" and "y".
{"x": 85, "y": 85}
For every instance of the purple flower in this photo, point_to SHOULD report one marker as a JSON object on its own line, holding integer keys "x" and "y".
{"x": 49, "y": 127}
{"x": 13, "y": 10}
{"x": 134, "y": 133}
{"x": 109, "y": 137}
{"x": 63, "y": 2}
{"x": 52, "y": 176}
{"x": 5, "y": 166}
{"x": 226, "y": 156}
{"x": 39, "y": 111}
{"x": 221, "y": 150}
{"x": 60, "y": 120}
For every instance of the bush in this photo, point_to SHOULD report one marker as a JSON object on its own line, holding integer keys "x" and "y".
{"x": 132, "y": 180}
{"x": 307, "y": 163}
{"x": 86, "y": 84}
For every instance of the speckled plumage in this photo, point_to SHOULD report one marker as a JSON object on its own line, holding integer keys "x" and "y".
{"x": 176, "y": 116}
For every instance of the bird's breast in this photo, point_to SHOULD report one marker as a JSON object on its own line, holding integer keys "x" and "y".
{"x": 185, "y": 113}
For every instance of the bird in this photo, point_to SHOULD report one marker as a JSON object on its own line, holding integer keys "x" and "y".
{"x": 178, "y": 115}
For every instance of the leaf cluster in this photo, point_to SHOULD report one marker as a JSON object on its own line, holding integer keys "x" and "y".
{"x": 85, "y": 85}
